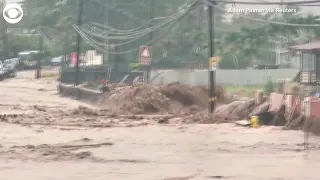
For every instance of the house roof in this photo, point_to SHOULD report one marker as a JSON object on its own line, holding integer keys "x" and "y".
{"x": 308, "y": 46}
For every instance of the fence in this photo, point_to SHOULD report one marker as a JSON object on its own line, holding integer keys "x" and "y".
{"x": 226, "y": 77}
{"x": 196, "y": 77}
{"x": 96, "y": 74}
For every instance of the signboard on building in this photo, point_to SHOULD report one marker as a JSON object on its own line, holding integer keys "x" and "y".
{"x": 145, "y": 54}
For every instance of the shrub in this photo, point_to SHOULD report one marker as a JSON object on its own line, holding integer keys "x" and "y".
{"x": 269, "y": 87}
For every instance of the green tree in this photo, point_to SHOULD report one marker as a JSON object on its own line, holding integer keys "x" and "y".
{"x": 247, "y": 39}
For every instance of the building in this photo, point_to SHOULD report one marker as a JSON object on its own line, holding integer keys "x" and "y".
{"x": 308, "y": 56}
{"x": 92, "y": 58}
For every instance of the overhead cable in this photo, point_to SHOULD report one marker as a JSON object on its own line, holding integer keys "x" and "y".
{"x": 132, "y": 50}
{"x": 264, "y": 3}
{"x": 147, "y": 30}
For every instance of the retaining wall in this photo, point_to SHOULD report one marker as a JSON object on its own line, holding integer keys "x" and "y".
{"x": 225, "y": 77}
{"x": 79, "y": 93}
{"x": 197, "y": 77}
{"x": 68, "y": 76}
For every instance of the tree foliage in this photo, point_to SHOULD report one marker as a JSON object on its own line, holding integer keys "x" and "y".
{"x": 240, "y": 38}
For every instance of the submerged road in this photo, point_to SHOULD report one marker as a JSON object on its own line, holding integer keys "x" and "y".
{"x": 153, "y": 152}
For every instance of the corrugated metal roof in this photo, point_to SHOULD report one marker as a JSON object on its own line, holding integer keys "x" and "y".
{"x": 308, "y": 46}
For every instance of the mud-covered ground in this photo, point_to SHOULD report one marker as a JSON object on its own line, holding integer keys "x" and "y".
{"x": 44, "y": 136}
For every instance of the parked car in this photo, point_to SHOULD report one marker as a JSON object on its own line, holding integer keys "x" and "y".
{"x": 2, "y": 72}
{"x": 14, "y": 61}
{"x": 9, "y": 69}
{"x": 28, "y": 60}
{"x": 56, "y": 61}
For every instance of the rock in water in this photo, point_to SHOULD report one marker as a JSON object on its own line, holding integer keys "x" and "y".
{"x": 260, "y": 109}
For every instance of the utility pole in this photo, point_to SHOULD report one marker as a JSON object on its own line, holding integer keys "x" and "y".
{"x": 106, "y": 22}
{"x": 110, "y": 55}
{"x": 116, "y": 57}
{"x": 212, "y": 60}
{"x": 38, "y": 73}
{"x": 151, "y": 16}
{"x": 77, "y": 80}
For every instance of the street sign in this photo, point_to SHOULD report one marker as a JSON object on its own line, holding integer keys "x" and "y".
{"x": 145, "y": 54}
{"x": 213, "y": 61}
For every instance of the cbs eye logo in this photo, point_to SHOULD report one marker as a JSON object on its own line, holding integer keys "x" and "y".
{"x": 12, "y": 13}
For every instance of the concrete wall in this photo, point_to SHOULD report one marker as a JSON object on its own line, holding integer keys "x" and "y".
{"x": 83, "y": 94}
{"x": 227, "y": 77}
{"x": 68, "y": 76}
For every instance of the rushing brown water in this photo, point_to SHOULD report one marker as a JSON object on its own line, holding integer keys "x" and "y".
{"x": 154, "y": 152}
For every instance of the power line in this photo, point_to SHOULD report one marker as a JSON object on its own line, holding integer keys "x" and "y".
{"x": 263, "y": 3}
{"x": 110, "y": 29}
{"x": 115, "y": 45}
{"x": 194, "y": 5}
{"x": 307, "y": 5}
{"x": 145, "y": 31}
{"x": 117, "y": 31}
{"x": 78, "y": 47}
{"x": 124, "y": 52}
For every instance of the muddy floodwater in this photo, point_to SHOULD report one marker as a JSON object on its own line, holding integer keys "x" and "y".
{"x": 151, "y": 152}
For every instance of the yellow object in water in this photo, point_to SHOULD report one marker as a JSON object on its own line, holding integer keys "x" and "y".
{"x": 254, "y": 122}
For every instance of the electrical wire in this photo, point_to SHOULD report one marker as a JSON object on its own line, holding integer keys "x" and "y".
{"x": 148, "y": 43}
{"x": 115, "y": 45}
{"x": 135, "y": 29}
{"x": 132, "y": 35}
{"x": 87, "y": 26}
{"x": 118, "y": 52}
{"x": 132, "y": 31}
{"x": 120, "y": 44}
{"x": 263, "y": 3}
{"x": 117, "y": 31}
{"x": 308, "y": 5}
{"x": 54, "y": 39}
{"x": 101, "y": 33}
{"x": 110, "y": 29}
{"x": 50, "y": 38}
{"x": 147, "y": 30}
{"x": 43, "y": 35}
